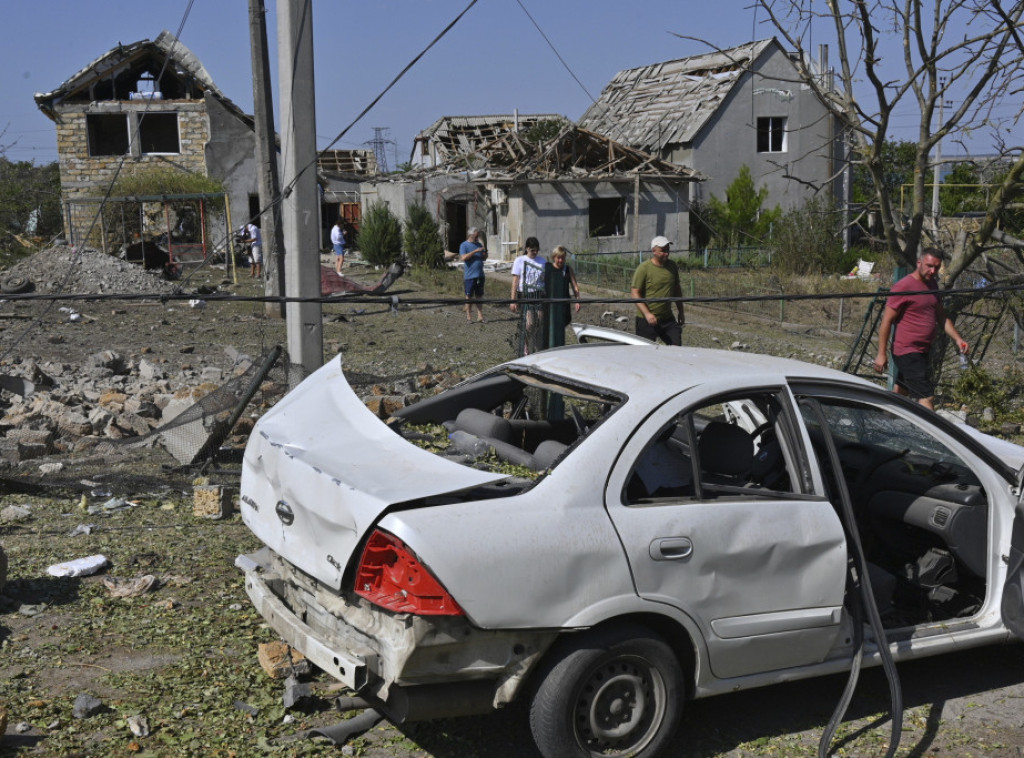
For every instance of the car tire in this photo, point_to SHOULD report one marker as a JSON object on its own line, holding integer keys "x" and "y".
{"x": 15, "y": 285}
{"x": 614, "y": 692}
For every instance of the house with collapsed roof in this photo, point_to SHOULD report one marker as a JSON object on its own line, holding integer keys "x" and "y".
{"x": 577, "y": 188}
{"x": 451, "y": 137}
{"x": 718, "y": 111}
{"x": 141, "y": 106}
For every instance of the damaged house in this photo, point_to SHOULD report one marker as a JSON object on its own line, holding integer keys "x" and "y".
{"x": 577, "y": 188}
{"x": 145, "y": 105}
{"x": 719, "y": 111}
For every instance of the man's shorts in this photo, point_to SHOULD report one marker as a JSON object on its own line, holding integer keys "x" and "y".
{"x": 914, "y": 374}
{"x": 474, "y": 286}
{"x": 669, "y": 331}
{"x": 257, "y": 253}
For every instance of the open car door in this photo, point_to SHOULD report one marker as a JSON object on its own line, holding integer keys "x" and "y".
{"x": 1013, "y": 591}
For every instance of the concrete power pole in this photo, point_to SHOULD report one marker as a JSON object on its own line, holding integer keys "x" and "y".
{"x": 266, "y": 151}
{"x": 300, "y": 209}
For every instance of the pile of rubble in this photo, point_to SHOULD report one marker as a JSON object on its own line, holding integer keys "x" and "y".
{"x": 69, "y": 270}
{"x": 70, "y": 409}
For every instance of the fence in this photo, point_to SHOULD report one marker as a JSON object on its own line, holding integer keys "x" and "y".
{"x": 614, "y": 272}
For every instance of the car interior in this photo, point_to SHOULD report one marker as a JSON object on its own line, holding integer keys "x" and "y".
{"x": 517, "y": 418}
{"x": 921, "y": 513}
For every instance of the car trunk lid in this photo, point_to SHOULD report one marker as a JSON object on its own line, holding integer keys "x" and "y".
{"x": 320, "y": 469}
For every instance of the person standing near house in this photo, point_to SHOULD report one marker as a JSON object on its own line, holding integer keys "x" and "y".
{"x": 560, "y": 282}
{"x": 254, "y": 239}
{"x": 473, "y": 254}
{"x": 528, "y": 284}
{"x": 658, "y": 278}
{"x": 338, "y": 242}
{"x": 916, "y": 319}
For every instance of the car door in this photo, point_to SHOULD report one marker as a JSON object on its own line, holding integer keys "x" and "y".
{"x": 1012, "y": 606}
{"x": 760, "y": 567}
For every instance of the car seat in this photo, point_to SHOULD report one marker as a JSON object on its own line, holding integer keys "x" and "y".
{"x": 726, "y": 454}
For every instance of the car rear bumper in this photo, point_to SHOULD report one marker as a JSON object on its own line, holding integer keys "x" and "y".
{"x": 411, "y": 667}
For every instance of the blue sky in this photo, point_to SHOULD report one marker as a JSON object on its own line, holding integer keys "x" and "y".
{"x": 493, "y": 61}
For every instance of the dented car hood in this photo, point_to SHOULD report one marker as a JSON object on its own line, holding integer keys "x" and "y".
{"x": 320, "y": 469}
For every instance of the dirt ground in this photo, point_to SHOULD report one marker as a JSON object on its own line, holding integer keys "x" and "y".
{"x": 183, "y": 655}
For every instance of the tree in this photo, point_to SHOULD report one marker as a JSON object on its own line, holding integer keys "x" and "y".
{"x": 957, "y": 58}
{"x": 739, "y": 219}
{"x": 422, "y": 238}
{"x": 29, "y": 203}
{"x": 380, "y": 236}
{"x": 897, "y": 171}
{"x": 809, "y": 240}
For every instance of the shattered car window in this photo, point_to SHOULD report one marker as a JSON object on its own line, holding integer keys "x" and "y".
{"x": 515, "y": 422}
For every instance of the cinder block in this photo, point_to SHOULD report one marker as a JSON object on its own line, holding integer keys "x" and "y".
{"x": 213, "y": 501}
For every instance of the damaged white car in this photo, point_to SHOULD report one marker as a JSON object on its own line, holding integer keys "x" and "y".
{"x": 605, "y": 531}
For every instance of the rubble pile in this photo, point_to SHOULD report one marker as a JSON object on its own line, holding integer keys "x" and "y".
{"x": 67, "y": 270}
{"x": 73, "y": 408}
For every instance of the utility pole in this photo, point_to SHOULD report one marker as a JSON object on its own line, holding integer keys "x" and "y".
{"x": 936, "y": 207}
{"x": 266, "y": 151}
{"x": 300, "y": 209}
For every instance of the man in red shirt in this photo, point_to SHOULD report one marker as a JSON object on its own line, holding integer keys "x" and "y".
{"x": 917, "y": 319}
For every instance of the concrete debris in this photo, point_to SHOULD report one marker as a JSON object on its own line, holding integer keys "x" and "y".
{"x": 139, "y": 725}
{"x": 12, "y": 514}
{"x": 295, "y": 692}
{"x": 86, "y": 706}
{"x": 280, "y": 660}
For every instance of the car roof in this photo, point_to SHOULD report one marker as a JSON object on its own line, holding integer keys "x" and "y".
{"x": 629, "y": 369}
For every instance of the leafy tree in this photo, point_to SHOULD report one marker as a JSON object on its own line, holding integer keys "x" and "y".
{"x": 808, "y": 240}
{"x": 29, "y": 204}
{"x": 897, "y": 171}
{"x": 380, "y": 235}
{"x": 739, "y": 219}
{"x": 957, "y": 195}
{"x": 544, "y": 130}
{"x": 422, "y": 238}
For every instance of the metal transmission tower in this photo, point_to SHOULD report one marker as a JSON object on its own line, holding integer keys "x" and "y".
{"x": 381, "y": 139}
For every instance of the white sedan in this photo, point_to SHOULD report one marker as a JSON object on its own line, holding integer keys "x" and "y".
{"x": 604, "y": 531}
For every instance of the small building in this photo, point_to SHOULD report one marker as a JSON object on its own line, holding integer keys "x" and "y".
{"x": 144, "y": 105}
{"x": 718, "y": 111}
{"x": 578, "y": 189}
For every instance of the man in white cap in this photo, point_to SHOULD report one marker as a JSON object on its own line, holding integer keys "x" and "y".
{"x": 658, "y": 278}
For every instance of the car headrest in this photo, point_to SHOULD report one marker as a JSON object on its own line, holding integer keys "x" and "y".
{"x": 725, "y": 449}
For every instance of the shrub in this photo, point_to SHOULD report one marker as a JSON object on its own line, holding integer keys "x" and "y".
{"x": 422, "y": 238}
{"x": 808, "y": 240}
{"x": 740, "y": 219}
{"x": 380, "y": 236}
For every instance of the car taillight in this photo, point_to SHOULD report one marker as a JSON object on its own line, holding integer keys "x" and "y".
{"x": 391, "y": 576}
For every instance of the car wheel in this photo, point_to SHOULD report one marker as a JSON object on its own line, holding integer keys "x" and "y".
{"x": 15, "y": 285}
{"x": 615, "y": 692}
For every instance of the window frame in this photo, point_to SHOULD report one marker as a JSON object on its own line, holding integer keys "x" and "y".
{"x": 772, "y": 135}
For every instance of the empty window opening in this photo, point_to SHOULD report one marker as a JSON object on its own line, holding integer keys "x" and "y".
{"x": 607, "y": 216}
{"x": 108, "y": 133}
{"x": 158, "y": 133}
{"x": 771, "y": 134}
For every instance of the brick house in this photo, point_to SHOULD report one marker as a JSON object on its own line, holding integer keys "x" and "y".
{"x": 144, "y": 105}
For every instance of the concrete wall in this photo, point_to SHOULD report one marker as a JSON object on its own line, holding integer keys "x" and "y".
{"x": 729, "y": 139}
{"x": 557, "y": 213}
{"x": 231, "y": 156}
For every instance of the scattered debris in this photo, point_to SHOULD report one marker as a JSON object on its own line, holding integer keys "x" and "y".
{"x": 140, "y": 585}
{"x": 213, "y": 501}
{"x": 280, "y": 660}
{"x": 139, "y": 725}
{"x": 81, "y": 529}
{"x": 86, "y": 706}
{"x": 79, "y": 567}
{"x": 295, "y": 691}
